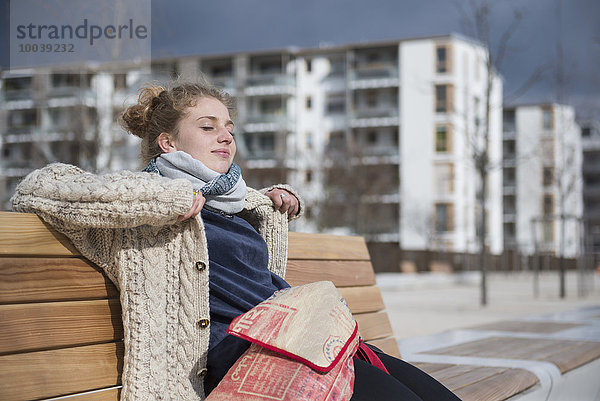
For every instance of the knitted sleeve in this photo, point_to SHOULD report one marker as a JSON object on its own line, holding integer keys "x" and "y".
{"x": 120, "y": 200}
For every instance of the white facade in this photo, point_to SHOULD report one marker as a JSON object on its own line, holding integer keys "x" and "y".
{"x": 542, "y": 179}
{"x": 431, "y": 177}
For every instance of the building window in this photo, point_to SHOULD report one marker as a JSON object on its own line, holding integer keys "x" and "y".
{"x": 509, "y": 176}
{"x": 548, "y": 123}
{"x": 444, "y": 215}
{"x": 548, "y": 176}
{"x": 510, "y": 204}
{"x": 372, "y": 137}
{"x": 120, "y": 81}
{"x": 548, "y": 233}
{"x": 336, "y": 103}
{"x": 510, "y": 149}
{"x": 442, "y": 64}
{"x": 308, "y": 176}
{"x": 337, "y": 66}
{"x": 309, "y": 141}
{"x": 443, "y": 98}
{"x": 270, "y": 106}
{"x": 308, "y": 102}
{"x": 371, "y": 98}
{"x": 22, "y": 118}
{"x": 267, "y": 143}
{"x": 17, "y": 84}
{"x": 508, "y": 120}
{"x": 476, "y": 107}
{"x": 308, "y": 65}
{"x": 586, "y": 132}
{"x": 442, "y": 138}
{"x": 548, "y": 205}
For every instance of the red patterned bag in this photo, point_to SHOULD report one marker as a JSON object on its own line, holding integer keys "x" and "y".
{"x": 303, "y": 339}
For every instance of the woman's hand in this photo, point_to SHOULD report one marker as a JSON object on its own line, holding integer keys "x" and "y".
{"x": 284, "y": 201}
{"x": 197, "y": 205}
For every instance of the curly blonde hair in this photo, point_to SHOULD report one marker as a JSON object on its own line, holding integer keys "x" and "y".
{"x": 160, "y": 110}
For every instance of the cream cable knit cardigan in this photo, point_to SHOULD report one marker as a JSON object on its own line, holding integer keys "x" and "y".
{"x": 126, "y": 223}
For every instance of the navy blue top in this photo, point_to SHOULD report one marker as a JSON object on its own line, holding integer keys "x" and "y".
{"x": 239, "y": 279}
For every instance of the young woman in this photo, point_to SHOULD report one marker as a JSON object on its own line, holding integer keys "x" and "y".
{"x": 189, "y": 246}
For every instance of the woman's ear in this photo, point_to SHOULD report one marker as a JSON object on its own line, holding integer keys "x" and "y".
{"x": 166, "y": 143}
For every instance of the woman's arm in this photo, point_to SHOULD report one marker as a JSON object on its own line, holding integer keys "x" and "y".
{"x": 119, "y": 200}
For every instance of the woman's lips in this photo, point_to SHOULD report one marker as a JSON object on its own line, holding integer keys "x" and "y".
{"x": 221, "y": 152}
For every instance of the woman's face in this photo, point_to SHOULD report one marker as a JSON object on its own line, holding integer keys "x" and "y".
{"x": 206, "y": 133}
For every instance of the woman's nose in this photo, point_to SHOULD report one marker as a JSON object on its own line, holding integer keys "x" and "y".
{"x": 225, "y": 136}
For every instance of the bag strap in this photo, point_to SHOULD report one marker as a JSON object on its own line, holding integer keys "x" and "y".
{"x": 368, "y": 355}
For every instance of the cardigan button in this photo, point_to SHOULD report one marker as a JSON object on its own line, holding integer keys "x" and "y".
{"x": 200, "y": 266}
{"x": 202, "y": 372}
{"x": 203, "y": 323}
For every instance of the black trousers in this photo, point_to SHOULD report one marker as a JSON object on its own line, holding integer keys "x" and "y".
{"x": 405, "y": 382}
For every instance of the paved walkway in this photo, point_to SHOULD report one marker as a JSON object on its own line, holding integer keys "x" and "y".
{"x": 438, "y": 320}
{"x": 422, "y": 304}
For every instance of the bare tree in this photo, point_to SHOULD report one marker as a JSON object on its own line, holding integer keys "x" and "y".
{"x": 477, "y": 17}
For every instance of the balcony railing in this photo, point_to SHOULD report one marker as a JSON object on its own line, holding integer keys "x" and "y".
{"x": 225, "y": 82}
{"x": 268, "y": 119}
{"x": 20, "y": 94}
{"x": 270, "y": 80}
{"x": 70, "y": 91}
{"x": 370, "y": 71}
{"x": 381, "y": 112}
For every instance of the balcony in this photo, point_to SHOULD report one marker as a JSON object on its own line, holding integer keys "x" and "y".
{"x": 268, "y": 122}
{"x": 17, "y": 94}
{"x": 374, "y": 76}
{"x": 591, "y": 168}
{"x": 374, "y": 70}
{"x": 375, "y": 117}
{"x": 270, "y": 84}
{"x": 227, "y": 83}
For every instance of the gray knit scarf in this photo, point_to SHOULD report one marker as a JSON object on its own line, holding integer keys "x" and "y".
{"x": 224, "y": 192}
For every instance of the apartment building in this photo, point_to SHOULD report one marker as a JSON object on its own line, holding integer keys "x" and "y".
{"x": 542, "y": 180}
{"x": 64, "y": 115}
{"x": 377, "y": 136}
{"x": 590, "y": 137}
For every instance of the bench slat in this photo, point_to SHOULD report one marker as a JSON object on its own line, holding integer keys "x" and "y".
{"x": 341, "y": 273}
{"x": 565, "y": 354}
{"x": 325, "y": 246}
{"x": 52, "y": 279}
{"x": 498, "y": 387}
{"x": 471, "y": 376}
{"x": 53, "y": 373}
{"x": 568, "y": 358}
{"x": 450, "y": 371}
{"x": 27, "y": 235}
{"x": 31, "y": 327}
{"x": 372, "y": 326}
{"x": 363, "y": 299}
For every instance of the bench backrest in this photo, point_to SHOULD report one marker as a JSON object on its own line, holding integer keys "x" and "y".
{"x": 61, "y": 331}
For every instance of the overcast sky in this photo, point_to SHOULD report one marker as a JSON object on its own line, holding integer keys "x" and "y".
{"x": 201, "y": 27}
{"x": 216, "y": 26}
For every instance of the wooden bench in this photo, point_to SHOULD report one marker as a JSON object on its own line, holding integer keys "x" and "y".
{"x": 61, "y": 331}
